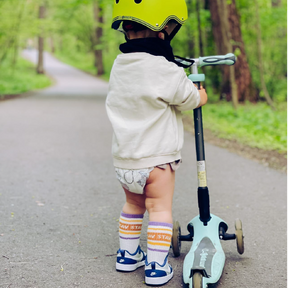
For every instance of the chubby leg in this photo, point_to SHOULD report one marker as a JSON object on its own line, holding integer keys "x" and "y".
{"x": 159, "y": 192}
{"x": 159, "y": 195}
{"x": 135, "y": 203}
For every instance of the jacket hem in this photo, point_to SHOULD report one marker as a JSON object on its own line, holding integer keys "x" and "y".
{"x": 145, "y": 162}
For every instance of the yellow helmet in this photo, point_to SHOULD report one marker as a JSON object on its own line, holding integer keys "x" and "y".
{"x": 154, "y": 14}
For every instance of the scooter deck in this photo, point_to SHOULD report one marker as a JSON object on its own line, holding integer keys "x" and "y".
{"x": 206, "y": 254}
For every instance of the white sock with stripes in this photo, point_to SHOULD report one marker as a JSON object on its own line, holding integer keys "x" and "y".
{"x": 130, "y": 226}
{"x": 159, "y": 241}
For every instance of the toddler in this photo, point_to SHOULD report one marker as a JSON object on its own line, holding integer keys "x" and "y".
{"x": 147, "y": 92}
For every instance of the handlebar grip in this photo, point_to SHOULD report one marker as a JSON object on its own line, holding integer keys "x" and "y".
{"x": 228, "y": 59}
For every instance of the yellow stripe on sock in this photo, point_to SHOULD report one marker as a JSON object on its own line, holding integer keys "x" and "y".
{"x": 134, "y": 233}
{"x": 158, "y": 244}
{"x": 162, "y": 229}
{"x": 132, "y": 221}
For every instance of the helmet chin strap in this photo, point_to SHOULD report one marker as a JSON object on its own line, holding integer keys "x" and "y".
{"x": 180, "y": 61}
{"x": 183, "y": 62}
{"x": 168, "y": 37}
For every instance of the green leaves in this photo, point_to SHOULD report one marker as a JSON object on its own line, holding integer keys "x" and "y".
{"x": 274, "y": 44}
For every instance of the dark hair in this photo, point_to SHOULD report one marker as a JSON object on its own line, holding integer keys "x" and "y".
{"x": 133, "y": 26}
{"x": 172, "y": 21}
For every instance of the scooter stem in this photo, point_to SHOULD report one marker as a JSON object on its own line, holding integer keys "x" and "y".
{"x": 203, "y": 193}
{"x": 199, "y": 137}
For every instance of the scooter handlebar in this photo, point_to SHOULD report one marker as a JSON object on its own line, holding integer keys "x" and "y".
{"x": 228, "y": 59}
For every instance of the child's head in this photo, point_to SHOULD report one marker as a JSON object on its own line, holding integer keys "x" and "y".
{"x": 146, "y": 18}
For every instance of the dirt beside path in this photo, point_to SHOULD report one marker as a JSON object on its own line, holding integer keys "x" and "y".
{"x": 272, "y": 159}
{"x": 8, "y": 97}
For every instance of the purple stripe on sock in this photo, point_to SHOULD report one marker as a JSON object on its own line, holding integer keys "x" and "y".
{"x": 157, "y": 250}
{"x": 129, "y": 238}
{"x": 161, "y": 224}
{"x": 132, "y": 215}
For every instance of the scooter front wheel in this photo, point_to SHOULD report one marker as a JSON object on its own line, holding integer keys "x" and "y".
{"x": 176, "y": 243}
{"x": 197, "y": 280}
{"x": 239, "y": 236}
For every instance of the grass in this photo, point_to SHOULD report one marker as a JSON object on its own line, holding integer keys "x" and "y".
{"x": 255, "y": 125}
{"x": 21, "y": 79}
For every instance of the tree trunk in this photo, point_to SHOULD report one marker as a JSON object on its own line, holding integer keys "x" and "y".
{"x": 276, "y": 3}
{"x": 17, "y": 34}
{"x": 191, "y": 43}
{"x": 40, "y": 66}
{"x": 60, "y": 42}
{"x": 201, "y": 49}
{"x": 232, "y": 79}
{"x": 229, "y": 74}
{"x": 246, "y": 90}
{"x": 199, "y": 28}
{"x": 52, "y": 46}
{"x": 98, "y": 16}
{"x": 260, "y": 60}
{"x": 217, "y": 30}
{"x": 235, "y": 44}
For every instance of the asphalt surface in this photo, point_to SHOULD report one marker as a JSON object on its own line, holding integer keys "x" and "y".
{"x": 60, "y": 201}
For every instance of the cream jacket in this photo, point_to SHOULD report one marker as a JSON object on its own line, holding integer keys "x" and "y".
{"x": 146, "y": 96}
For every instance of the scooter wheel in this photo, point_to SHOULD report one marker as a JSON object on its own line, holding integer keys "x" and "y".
{"x": 197, "y": 280}
{"x": 176, "y": 243}
{"x": 239, "y": 236}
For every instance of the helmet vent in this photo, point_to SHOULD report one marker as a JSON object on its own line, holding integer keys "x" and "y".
{"x": 137, "y": 1}
{"x": 117, "y": 1}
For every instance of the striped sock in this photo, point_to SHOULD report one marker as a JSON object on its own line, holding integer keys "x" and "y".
{"x": 129, "y": 231}
{"x": 159, "y": 241}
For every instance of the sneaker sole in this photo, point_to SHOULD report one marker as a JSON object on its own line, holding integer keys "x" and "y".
{"x": 129, "y": 268}
{"x": 158, "y": 280}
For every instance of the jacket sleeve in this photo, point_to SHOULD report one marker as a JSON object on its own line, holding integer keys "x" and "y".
{"x": 177, "y": 90}
{"x": 186, "y": 96}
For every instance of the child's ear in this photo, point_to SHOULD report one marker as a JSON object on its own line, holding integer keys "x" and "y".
{"x": 161, "y": 35}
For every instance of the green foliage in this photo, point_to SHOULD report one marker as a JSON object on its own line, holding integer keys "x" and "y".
{"x": 21, "y": 78}
{"x": 76, "y": 40}
{"x": 18, "y": 23}
{"x": 274, "y": 44}
{"x": 254, "y": 125}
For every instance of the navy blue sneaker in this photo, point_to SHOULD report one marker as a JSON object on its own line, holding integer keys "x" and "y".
{"x": 156, "y": 274}
{"x": 129, "y": 262}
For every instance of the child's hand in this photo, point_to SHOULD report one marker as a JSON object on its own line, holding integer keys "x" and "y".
{"x": 203, "y": 96}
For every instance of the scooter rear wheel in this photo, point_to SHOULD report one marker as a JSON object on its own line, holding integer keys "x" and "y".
{"x": 239, "y": 236}
{"x": 176, "y": 243}
{"x": 197, "y": 280}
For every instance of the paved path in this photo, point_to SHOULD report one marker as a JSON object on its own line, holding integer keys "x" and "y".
{"x": 59, "y": 201}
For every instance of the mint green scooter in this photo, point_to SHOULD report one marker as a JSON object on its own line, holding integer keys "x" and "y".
{"x": 205, "y": 261}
